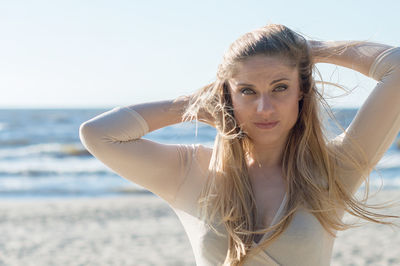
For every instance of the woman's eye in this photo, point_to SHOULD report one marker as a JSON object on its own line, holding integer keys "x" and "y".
{"x": 281, "y": 88}
{"x": 246, "y": 91}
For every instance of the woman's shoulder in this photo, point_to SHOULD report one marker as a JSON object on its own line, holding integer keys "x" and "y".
{"x": 196, "y": 177}
{"x": 195, "y": 157}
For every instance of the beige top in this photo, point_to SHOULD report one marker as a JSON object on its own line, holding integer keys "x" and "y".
{"x": 177, "y": 173}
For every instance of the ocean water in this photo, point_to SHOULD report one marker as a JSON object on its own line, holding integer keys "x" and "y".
{"x": 41, "y": 154}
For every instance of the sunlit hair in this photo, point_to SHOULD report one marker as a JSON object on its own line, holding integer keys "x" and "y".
{"x": 314, "y": 170}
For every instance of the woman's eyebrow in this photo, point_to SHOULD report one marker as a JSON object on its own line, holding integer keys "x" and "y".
{"x": 244, "y": 84}
{"x": 273, "y": 82}
{"x": 277, "y": 80}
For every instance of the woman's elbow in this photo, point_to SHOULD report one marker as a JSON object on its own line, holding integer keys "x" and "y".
{"x": 88, "y": 134}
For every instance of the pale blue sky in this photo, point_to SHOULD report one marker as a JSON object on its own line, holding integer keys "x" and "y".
{"x": 109, "y": 53}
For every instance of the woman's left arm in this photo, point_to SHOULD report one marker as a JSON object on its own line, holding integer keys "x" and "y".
{"x": 355, "y": 55}
{"x": 377, "y": 122}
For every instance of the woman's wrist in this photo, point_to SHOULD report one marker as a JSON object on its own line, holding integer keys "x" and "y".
{"x": 315, "y": 48}
{"x": 325, "y": 51}
{"x": 183, "y": 103}
{"x": 180, "y": 104}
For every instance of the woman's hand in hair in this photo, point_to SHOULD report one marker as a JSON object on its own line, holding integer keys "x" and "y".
{"x": 208, "y": 120}
{"x": 205, "y": 117}
{"x": 327, "y": 51}
{"x": 202, "y": 115}
{"x": 318, "y": 49}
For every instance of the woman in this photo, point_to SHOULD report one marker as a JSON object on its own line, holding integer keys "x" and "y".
{"x": 273, "y": 190}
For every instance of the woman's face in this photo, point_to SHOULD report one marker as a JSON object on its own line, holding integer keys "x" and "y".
{"x": 265, "y": 96}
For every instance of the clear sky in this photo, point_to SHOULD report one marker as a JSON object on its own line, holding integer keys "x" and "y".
{"x": 109, "y": 53}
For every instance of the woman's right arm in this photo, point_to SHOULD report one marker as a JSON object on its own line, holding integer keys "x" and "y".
{"x": 163, "y": 113}
{"x": 114, "y": 138}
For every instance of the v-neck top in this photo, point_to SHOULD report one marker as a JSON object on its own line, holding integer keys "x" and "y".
{"x": 274, "y": 220}
{"x": 303, "y": 235}
{"x": 177, "y": 172}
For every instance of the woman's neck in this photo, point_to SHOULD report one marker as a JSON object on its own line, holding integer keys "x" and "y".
{"x": 267, "y": 157}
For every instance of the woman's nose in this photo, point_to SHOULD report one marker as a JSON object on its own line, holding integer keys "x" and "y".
{"x": 264, "y": 104}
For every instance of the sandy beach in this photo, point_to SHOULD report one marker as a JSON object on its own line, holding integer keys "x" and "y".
{"x": 143, "y": 230}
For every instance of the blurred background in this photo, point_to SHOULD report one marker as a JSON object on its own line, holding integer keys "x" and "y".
{"x": 64, "y": 62}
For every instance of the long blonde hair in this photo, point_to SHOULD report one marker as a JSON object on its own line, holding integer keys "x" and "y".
{"x": 310, "y": 167}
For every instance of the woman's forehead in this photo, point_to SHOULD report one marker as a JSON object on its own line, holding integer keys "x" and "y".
{"x": 262, "y": 64}
{"x": 263, "y": 68}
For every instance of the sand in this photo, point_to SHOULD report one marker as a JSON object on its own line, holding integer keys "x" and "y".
{"x": 143, "y": 230}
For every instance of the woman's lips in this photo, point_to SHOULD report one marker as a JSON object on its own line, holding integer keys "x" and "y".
{"x": 266, "y": 125}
